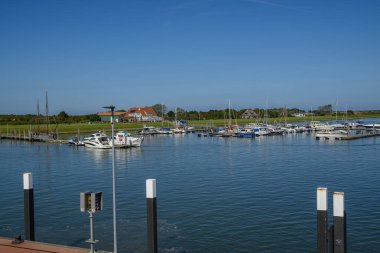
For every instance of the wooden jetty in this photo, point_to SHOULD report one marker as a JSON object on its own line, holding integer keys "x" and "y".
{"x": 359, "y": 136}
{"x": 33, "y": 138}
{"x": 344, "y": 136}
{"x": 8, "y": 245}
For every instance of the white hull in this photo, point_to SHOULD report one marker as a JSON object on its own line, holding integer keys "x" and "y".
{"x": 98, "y": 140}
{"x": 88, "y": 145}
{"x": 178, "y": 131}
{"x": 372, "y": 126}
{"x": 123, "y": 140}
{"x": 330, "y": 135}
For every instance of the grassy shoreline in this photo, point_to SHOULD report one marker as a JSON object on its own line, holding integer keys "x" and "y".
{"x": 86, "y": 128}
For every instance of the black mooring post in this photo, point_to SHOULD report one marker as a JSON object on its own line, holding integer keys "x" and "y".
{"x": 345, "y": 232}
{"x": 339, "y": 223}
{"x": 322, "y": 224}
{"x": 331, "y": 238}
{"x": 151, "y": 203}
{"x": 28, "y": 207}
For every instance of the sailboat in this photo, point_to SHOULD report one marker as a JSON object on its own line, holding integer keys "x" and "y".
{"x": 177, "y": 129}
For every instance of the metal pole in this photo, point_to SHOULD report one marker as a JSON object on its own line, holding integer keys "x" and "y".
{"x": 151, "y": 202}
{"x": 113, "y": 180}
{"x": 28, "y": 207}
{"x": 322, "y": 224}
{"x": 112, "y": 108}
{"x": 92, "y": 232}
{"x": 339, "y": 223}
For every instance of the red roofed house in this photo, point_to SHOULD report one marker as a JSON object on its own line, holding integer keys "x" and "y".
{"x": 143, "y": 114}
{"x": 118, "y": 116}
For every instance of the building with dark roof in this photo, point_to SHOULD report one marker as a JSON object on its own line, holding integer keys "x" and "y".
{"x": 249, "y": 114}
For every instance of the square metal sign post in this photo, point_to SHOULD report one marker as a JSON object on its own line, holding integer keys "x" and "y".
{"x": 91, "y": 202}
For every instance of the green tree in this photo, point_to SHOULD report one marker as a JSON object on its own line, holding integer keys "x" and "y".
{"x": 160, "y": 109}
{"x": 171, "y": 115}
{"x": 324, "y": 110}
{"x": 62, "y": 116}
{"x": 92, "y": 117}
{"x": 181, "y": 113}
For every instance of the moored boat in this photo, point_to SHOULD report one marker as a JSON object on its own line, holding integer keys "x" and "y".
{"x": 122, "y": 139}
{"x": 75, "y": 142}
{"x": 149, "y": 130}
{"x": 164, "y": 130}
{"x": 97, "y": 140}
{"x": 245, "y": 133}
{"x": 373, "y": 126}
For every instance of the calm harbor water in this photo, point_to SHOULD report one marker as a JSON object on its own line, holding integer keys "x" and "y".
{"x": 214, "y": 194}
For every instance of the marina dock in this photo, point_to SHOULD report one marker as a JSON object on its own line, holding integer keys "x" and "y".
{"x": 9, "y": 246}
{"x": 345, "y": 137}
{"x": 33, "y": 138}
{"x": 353, "y": 137}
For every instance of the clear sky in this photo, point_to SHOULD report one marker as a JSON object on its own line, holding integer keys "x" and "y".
{"x": 194, "y": 54}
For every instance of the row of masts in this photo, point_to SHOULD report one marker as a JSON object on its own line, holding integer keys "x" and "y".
{"x": 46, "y": 111}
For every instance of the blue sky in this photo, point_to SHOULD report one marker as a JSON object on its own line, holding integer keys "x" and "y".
{"x": 194, "y": 54}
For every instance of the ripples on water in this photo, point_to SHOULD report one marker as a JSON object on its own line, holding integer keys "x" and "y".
{"x": 214, "y": 194}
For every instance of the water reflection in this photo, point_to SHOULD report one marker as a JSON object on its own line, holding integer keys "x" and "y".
{"x": 101, "y": 156}
{"x": 214, "y": 193}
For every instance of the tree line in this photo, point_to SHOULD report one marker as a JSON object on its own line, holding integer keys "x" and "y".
{"x": 60, "y": 118}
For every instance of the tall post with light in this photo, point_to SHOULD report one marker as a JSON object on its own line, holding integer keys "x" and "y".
{"x": 112, "y": 108}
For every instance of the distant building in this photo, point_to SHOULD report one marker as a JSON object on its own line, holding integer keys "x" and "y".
{"x": 145, "y": 114}
{"x": 249, "y": 114}
{"x": 299, "y": 115}
{"x": 118, "y": 116}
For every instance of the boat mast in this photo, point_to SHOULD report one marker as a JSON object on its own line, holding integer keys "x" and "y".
{"x": 346, "y": 115}
{"x": 286, "y": 115}
{"x": 336, "y": 111}
{"x": 38, "y": 107}
{"x": 175, "y": 117}
{"x": 312, "y": 114}
{"x": 47, "y": 113}
{"x": 38, "y": 115}
{"x": 229, "y": 113}
{"x": 224, "y": 118}
{"x": 266, "y": 112}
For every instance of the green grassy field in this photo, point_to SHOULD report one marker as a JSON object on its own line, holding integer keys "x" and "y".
{"x": 85, "y": 129}
{"x": 65, "y": 130}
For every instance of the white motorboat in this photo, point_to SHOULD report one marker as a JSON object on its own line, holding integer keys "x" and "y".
{"x": 122, "y": 139}
{"x": 75, "y": 142}
{"x": 276, "y": 131}
{"x": 331, "y": 134}
{"x": 148, "y": 130}
{"x": 97, "y": 140}
{"x": 340, "y": 134}
{"x": 288, "y": 130}
{"x": 261, "y": 131}
{"x": 320, "y": 126}
{"x": 373, "y": 126}
{"x": 178, "y": 130}
{"x": 164, "y": 130}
